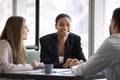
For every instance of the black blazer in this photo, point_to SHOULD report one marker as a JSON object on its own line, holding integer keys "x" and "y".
{"x": 49, "y": 49}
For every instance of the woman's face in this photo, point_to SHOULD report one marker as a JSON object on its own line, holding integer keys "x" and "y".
{"x": 25, "y": 31}
{"x": 63, "y": 26}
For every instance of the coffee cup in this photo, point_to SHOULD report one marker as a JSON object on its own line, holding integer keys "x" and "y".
{"x": 48, "y": 68}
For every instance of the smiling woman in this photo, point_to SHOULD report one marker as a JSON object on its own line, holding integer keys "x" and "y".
{"x": 77, "y": 9}
{"x": 13, "y": 56}
{"x": 62, "y": 43}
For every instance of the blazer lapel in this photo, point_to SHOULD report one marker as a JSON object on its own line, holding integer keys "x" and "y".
{"x": 68, "y": 49}
{"x": 55, "y": 49}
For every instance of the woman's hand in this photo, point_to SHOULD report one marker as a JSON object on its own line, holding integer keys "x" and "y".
{"x": 75, "y": 62}
{"x": 37, "y": 65}
{"x": 67, "y": 63}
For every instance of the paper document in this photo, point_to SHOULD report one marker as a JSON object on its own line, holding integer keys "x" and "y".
{"x": 42, "y": 71}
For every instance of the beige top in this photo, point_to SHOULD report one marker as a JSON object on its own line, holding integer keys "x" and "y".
{"x": 6, "y": 59}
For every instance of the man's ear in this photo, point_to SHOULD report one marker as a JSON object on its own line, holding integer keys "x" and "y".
{"x": 114, "y": 24}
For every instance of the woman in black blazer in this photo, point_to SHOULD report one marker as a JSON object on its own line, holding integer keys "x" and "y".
{"x": 62, "y": 47}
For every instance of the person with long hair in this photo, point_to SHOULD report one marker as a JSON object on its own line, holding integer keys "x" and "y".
{"x": 13, "y": 55}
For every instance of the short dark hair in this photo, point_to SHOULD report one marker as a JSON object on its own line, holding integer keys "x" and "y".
{"x": 61, "y": 16}
{"x": 116, "y": 16}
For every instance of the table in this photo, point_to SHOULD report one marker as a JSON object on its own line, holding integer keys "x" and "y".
{"x": 57, "y": 74}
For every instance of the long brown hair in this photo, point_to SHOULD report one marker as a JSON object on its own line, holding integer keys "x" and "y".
{"x": 12, "y": 32}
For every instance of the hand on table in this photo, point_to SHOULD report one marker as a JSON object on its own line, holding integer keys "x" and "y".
{"x": 67, "y": 63}
{"x": 37, "y": 65}
{"x": 75, "y": 62}
{"x": 72, "y": 62}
